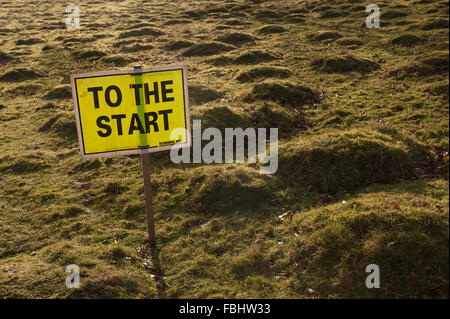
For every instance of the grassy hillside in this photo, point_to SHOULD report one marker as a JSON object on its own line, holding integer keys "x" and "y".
{"x": 363, "y": 171}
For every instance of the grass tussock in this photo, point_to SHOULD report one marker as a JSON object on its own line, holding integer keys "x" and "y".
{"x": 261, "y": 73}
{"x": 141, "y": 32}
{"x": 200, "y": 95}
{"x": 285, "y": 93}
{"x": 407, "y": 39}
{"x": 206, "y": 49}
{"x": 389, "y": 227}
{"x": 59, "y": 93}
{"x": 20, "y": 74}
{"x": 348, "y": 160}
{"x": 236, "y": 38}
{"x": 344, "y": 64}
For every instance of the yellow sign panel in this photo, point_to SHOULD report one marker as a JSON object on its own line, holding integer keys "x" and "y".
{"x": 131, "y": 111}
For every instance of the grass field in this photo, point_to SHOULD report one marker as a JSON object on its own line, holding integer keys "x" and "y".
{"x": 363, "y": 157}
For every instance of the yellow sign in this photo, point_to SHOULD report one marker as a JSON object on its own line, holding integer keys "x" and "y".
{"x": 131, "y": 111}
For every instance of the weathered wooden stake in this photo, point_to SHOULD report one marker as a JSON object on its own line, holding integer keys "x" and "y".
{"x": 145, "y": 160}
{"x": 146, "y": 173}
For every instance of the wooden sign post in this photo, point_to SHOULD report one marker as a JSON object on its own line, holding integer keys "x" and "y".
{"x": 145, "y": 160}
{"x": 146, "y": 174}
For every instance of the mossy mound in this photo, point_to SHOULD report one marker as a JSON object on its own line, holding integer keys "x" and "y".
{"x": 29, "y": 41}
{"x": 330, "y": 14}
{"x": 289, "y": 122}
{"x": 284, "y": 93}
{"x": 407, "y": 39}
{"x": 261, "y": 73}
{"x": 267, "y": 14}
{"x": 441, "y": 88}
{"x": 177, "y": 45}
{"x": 233, "y": 22}
{"x": 63, "y": 125}
{"x": 324, "y": 36}
{"x": 392, "y": 14}
{"x": 235, "y": 188}
{"x": 114, "y": 188}
{"x": 270, "y": 29}
{"x": 59, "y": 93}
{"x": 436, "y": 63}
{"x": 345, "y": 161}
{"x": 20, "y": 74}
{"x": 135, "y": 209}
{"x": 177, "y": 21}
{"x": 4, "y": 57}
{"x": 73, "y": 211}
{"x": 391, "y": 227}
{"x": 343, "y": 64}
{"x": 88, "y": 54}
{"x": 85, "y": 166}
{"x": 221, "y": 117}
{"x": 25, "y": 90}
{"x": 295, "y": 18}
{"x": 236, "y": 38}
{"x": 207, "y": 49}
{"x": 199, "y": 94}
{"x": 136, "y": 48}
{"x": 254, "y": 57}
{"x": 349, "y": 42}
{"x": 246, "y": 58}
{"x": 24, "y": 164}
{"x": 436, "y": 24}
{"x": 116, "y": 60}
{"x": 141, "y": 32}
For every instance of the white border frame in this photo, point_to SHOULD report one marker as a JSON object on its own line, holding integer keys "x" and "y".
{"x": 73, "y": 77}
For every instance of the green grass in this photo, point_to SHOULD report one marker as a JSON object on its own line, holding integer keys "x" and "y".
{"x": 363, "y": 153}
